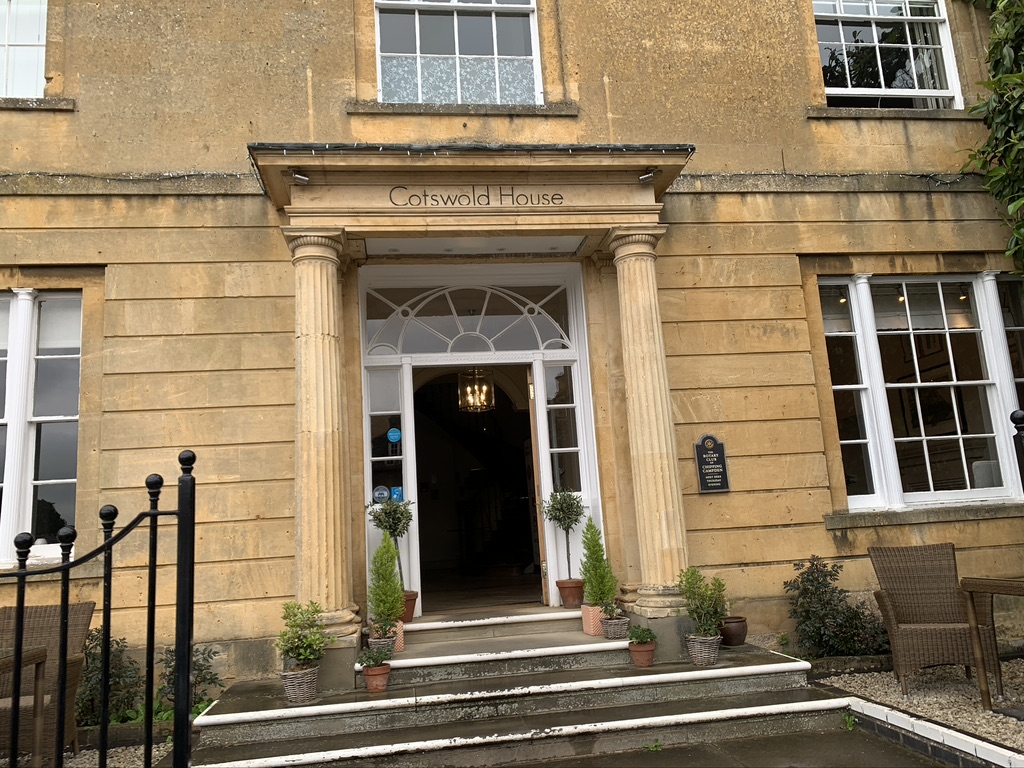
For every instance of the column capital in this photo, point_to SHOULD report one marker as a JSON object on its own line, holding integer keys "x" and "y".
{"x": 633, "y": 240}
{"x": 314, "y": 244}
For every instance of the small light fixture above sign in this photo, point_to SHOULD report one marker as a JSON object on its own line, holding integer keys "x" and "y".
{"x": 476, "y": 391}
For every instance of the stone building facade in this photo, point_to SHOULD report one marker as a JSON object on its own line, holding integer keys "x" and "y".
{"x": 277, "y": 232}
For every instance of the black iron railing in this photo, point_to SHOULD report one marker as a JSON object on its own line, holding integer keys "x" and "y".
{"x": 185, "y": 516}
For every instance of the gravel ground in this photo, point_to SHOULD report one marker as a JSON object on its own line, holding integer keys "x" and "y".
{"x": 121, "y": 757}
{"x": 944, "y": 695}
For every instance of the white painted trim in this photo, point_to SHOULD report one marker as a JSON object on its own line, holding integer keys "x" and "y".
{"x": 525, "y": 618}
{"x": 528, "y": 653}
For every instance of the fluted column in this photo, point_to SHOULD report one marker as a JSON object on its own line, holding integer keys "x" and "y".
{"x": 656, "y": 493}
{"x": 322, "y": 525}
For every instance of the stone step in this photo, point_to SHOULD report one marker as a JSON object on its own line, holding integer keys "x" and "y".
{"x": 468, "y": 627}
{"x": 253, "y": 712}
{"x": 538, "y": 736}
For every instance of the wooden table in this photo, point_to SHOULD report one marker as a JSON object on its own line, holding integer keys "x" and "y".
{"x": 988, "y": 587}
{"x": 36, "y": 656}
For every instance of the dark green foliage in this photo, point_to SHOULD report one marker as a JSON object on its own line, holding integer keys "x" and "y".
{"x": 640, "y": 635}
{"x": 374, "y": 657}
{"x": 1001, "y": 158}
{"x": 126, "y": 682}
{"x": 827, "y": 624}
{"x": 599, "y": 582}
{"x": 385, "y": 595}
{"x": 204, "y": 678}
{"x": 705, "y": 601}
{"x": 304, "y": 639}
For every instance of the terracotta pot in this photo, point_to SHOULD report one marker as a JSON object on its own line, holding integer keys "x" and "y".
{"x": 592, "y": 616}
{"x": 734, "y": 631}
{"x": 410, "y": 605}
{"x": 571, "y": 592}
{"x": 376, "y": 678}
{"x": 642, "y": 653}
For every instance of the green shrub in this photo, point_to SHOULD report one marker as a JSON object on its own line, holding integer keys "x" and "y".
{"x": 827, "y": 624}
{"x": 204, "y": 678}
{"x": 599, "y": 582}
{"x": 126, "y": 682}
{"x": 705, "y": 601}
{"x": 640, "y": 635}
{"x": 385, "y": 595}
{"x": 304, "y": 639}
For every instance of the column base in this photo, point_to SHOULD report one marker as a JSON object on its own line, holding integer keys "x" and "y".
{"x": 659, "y": 601}
{"x": 342, "y": 622}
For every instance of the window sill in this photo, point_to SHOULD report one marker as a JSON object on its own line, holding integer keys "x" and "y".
{"x": 558, "y": 109}
{"x": 917, "y": 516}
{"x": 44, "y": 104}
{"x": 862, "y": 113}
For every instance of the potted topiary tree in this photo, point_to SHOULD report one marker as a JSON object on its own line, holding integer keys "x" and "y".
{"x": 373, "y": 663}
{"x": 564, "y": 508}
{"x": 705, "y": 604}
{"x": 599, "y": 583}
{"x": 302, "y": 643}
{"x": 385, "y": 596}
{"x": 642, "y": 645}
{"x": 394, "y": 517}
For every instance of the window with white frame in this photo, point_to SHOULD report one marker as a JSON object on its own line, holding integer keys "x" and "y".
{"x": 458, "y": 52}
{"x": 40, "y": 364}
{"x": 23, "y": 34}
{"x": 886, "y": 53}
{"x": 923, "y": 386}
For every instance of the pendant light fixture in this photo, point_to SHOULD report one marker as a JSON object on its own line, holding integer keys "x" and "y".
{"x": 476, "y": 391}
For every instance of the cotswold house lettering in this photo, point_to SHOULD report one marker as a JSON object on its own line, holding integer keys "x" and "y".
{"x": 484, "y": 196}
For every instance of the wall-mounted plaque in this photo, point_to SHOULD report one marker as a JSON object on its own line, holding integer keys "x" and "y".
{"x": 712, "y": 473}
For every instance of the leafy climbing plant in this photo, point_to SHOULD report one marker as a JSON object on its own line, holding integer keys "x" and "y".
{"x": 1001, "y": 158}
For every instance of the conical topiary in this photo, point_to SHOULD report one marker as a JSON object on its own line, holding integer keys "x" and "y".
{"x": 385, "y": 595}
{"x": 599, "y": 582}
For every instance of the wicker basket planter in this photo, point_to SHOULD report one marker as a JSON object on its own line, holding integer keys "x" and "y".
{"x": 300, "y": 686}
{"x": 703, "y": 650}
{"x": 383, "y": 642}
{"x": 592, "y": 615}
{"x": 615, "y": 629}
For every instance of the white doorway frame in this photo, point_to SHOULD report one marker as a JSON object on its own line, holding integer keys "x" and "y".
{"x": 567, "y": 274}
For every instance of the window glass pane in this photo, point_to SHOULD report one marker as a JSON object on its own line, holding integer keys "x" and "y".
{"x": 562, "y": 427}
{"x": 384, "y": 390}
{"x": 60, "y": 327}
{"x": 28, "y": 22}
{"x": 937, "y": 411}
{"x": 520, "y": 335}
{"x": 476, "y": 37}
{"x": 565, "y": 470}
{"x": 858, "y": 33}
{"x": 53, "y": 508}
{"x": 887, "y": 8}
{"x": 983, "y": 462}
{"x": 387, "y": 473}
{"x": 925, "y": 309}
{"x": 440, "y": 80}
{"x": 559, "y": 384}
{"x": 931, "y": 70}
{"x": 56, "y": 451}
{"x": 947, "y": 465}
{"x": 857, "y": 469}
{"x": 959, "y": 306}
{"x": 419, "y": 338}
{"x": 516, "y": 81}
{"x": 890, "y": 308}
{"x": 514, "y": 38}
{"x": 903, "y": 413}
{"x": 835, "y": 309}
{"x": 437, "y": 33}
{"x": 933, "y": 357}
{"x": 913, "y": 471}
{"x": 397, "y": 32}
{"x": 842, "y": 360}
{"x": 862, "y": 65}
{"x": 386, "y": 436}
{"x": 925, "y": 34}
{"x": 825, "y": 6}
{"x": 56, "y": 390}
{"x": 897, "y": 358}
{"x": 3, "y": 388}
{"x": 5, "y": 325}
{"x": 974, "y": 414}
{"x": 398, "y": 80}
{"x": 924, "y": 8}
{"x": 1015, "y": 342}
{"x": 897, "y": 71}
{"x": 967, "y": 356}
{"x": 850, "y": 414}
{"x": 3, "y": 451}
{"x": 478, "y": 81}
{"x": 859, "y": 8}
{"x": 1010, "y": 302}
{"x": 892, "y": 33}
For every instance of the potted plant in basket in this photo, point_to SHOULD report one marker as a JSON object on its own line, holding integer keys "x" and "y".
{"x": 599, "y": 583}
{"x": 302, "y": 643}
{"x": 374, "y": 665}
{"x": 394, "y": 517}
{"x": 615, "y": 623}
{"x": 642, "y": 645}
{"x": 385, "y": 597}
{"x": 564, "y": 508}
{"x": 705, "y": 604}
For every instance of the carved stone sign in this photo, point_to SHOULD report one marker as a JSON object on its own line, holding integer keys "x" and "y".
{"x": 712, "y": 472}
{"x": 480, "y": 196}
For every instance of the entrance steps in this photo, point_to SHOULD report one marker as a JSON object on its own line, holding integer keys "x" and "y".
{"x": 506, "y": 697}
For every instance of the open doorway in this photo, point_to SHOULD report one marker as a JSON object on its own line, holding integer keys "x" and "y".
{"x": 478, "y": 539}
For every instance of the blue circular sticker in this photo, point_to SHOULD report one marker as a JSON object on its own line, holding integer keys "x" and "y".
{"x": 381, "y": 494}
{"x": 394, "y": 435}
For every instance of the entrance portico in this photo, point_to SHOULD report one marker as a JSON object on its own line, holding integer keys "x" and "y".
{"x": 350, "y": 206}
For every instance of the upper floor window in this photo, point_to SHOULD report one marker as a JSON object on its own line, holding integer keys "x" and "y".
{"x": 923, "y": 374}
{"x": 40, "y": 369}
{"x": 23, "y": 37}
{"x": 886, "y": 53}
{"x": 458, "y": 52}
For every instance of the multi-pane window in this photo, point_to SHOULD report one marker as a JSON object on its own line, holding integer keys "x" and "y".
{"x": 886, "y": 53}
{"x": 23, "y": 36}
{"x": 458, "y": 52}
{"x": 922, "y": 398}
{"x": 40, "y": 365}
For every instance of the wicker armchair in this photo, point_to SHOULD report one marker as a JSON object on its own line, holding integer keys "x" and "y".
{"x": 42, "y": 628}
{"x": 924, "y": 612}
